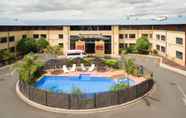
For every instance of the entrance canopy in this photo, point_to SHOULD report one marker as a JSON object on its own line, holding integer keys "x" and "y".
{"x": 91, "y": 36}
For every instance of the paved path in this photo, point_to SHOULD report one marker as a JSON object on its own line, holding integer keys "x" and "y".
{"x": 166, "y": 102}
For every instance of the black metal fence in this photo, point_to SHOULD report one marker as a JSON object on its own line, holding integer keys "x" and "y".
{"x": 85, "y": 101}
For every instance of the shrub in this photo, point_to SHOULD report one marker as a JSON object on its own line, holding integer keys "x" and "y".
{"x": 143, "y": 45}
{"x": 130, "y": 49}
{"x": 112, "y": 63}
{"x": 130, "y": 67}
{"x": 119, "y": 86}
{"x": 76, "y": 91}
{"x": 6, "y": 55}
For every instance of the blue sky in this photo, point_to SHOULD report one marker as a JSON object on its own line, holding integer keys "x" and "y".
{"x": 90, "y": 9}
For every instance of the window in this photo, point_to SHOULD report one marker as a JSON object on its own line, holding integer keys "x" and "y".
{"x": 163, "y": 38}
{"x": 158, "y": 47}
{"x": 179, "y": 55}
{"x": 3, "y": 40}
{"x": 150, "y": 36}
{"x": 126, "y": 36}
{"x": 43, "y": 36}
{"x": 132, "y": 36}
{"x": 24, "y": 36}
{"x": 36, "y": 36}
{"x": 162, "y": 49}
{"x": 179, "y": 40}
{"x": 60, "y": 36}
{"x": 158, "y": 37}
{"x": 11, "y": 39}
{"x": 145, "y": 35}
{"x": 120, "y": 36}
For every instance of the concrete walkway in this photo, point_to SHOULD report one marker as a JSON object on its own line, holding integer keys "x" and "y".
{"x": 166, "y": 102}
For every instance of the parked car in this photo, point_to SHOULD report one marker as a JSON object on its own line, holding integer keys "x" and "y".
{"x": 71, "y": 54}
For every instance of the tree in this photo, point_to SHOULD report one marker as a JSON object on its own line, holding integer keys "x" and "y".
{"x": 41, "y": 44}
{"x": 28, "y": 67}
{"x": 53, "y": 50}
{"x": 143, "y": 45}
{"x": 26, "y": 46}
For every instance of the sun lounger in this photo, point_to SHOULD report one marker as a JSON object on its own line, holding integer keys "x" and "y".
{"x": 73, "y": 69}
{"x": 82, "y": 67}
{"x": 91, "y": 68}
{"x": 65, "y": 69}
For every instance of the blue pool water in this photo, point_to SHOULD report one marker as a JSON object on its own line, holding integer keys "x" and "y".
{"x": 86, "y": 83}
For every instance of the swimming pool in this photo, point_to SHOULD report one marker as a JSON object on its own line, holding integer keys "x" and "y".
{"x": 86, "y": 83}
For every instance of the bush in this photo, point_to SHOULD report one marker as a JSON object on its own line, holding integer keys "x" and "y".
{"x": 143, "y": 45}
{"x": 113, "y": 63}
{"x": 119, "y": 86}
{"x": 6, "y": 55}
{"x": 76, "y": 91}
{"x": 130, "y": 49}
{"x": 130, "y": 67}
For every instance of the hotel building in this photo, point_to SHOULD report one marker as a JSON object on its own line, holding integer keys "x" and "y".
{"x": 101, "y": 37}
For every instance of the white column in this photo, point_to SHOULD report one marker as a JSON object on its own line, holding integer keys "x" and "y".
{"x": 66, "y": 38}
{"x": 115, "y": 41}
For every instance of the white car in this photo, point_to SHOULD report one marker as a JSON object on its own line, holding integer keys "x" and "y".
{"x": 71, "y": 54}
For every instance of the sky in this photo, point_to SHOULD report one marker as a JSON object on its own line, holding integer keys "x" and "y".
{"x": 90, "y": 9}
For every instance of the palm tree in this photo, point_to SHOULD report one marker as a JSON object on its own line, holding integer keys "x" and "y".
{"x": 28, "y": 67}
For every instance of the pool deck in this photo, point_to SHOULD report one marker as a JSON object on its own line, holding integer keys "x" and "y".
{"x": 115, "y": 74}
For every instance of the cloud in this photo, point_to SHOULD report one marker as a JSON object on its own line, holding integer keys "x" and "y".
{"x": 89, "y": 9}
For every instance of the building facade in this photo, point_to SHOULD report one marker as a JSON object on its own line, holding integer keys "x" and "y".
{"x": 169, "y": 39}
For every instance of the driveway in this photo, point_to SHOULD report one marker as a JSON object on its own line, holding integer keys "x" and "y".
{"x": 165, "y": 102}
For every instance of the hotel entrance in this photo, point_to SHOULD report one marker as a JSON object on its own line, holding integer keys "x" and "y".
{"x": 91, "y": 44}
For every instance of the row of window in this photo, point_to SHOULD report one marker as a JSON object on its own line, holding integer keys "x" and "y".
{"x": 7, "y": 39}
{"x": 161, "y": 37}
{"x": 179, "y": 55}
{"x": 126, "y": 36}
{"x": 132, "y": 36}
{"x": 37, "y": 36}
{"x": 90, "y": 28}
{"x": 161, "y": 48}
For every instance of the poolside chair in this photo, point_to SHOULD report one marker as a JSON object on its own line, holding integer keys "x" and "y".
{"x": 65, "y": 69}
{"x": 82, "y": 67}
{"x": 73, "y": 69}
{"x": 92, "y": 67}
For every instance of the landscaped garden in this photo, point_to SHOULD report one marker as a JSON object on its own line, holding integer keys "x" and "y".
{"x": 82, "y": 83}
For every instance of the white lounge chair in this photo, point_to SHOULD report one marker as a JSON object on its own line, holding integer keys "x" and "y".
{"x": 82, "y": 67}
{"x": 73, "y": 69}
{"x": 65, "y": 69}
{"x": 92, "y": 67}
